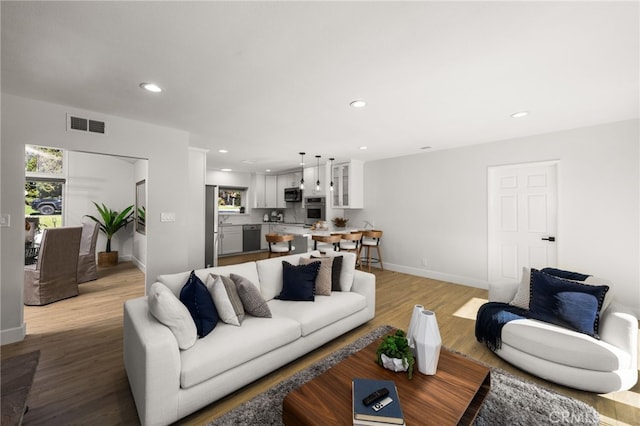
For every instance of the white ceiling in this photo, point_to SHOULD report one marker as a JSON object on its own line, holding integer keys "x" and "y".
{"x": 266, "y": 80}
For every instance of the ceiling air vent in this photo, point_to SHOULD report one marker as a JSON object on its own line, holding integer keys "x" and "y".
{"x": 85, "y": 124}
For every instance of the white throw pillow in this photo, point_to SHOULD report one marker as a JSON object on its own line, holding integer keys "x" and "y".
{"x": 221, "y": 300}
{"x": 171, "y": 312}
{"x": 523, "y": 295}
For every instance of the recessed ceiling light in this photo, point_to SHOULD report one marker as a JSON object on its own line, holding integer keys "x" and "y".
{"x": 358, "y": 103}
{"x": 226, "y": 170}
{"x": 363, "y": 148}
{"x": 222, "y": 151}
{"x": 519, "y": 114}
{"x": 267, "y": 170}
{"x": 151, "y": 87}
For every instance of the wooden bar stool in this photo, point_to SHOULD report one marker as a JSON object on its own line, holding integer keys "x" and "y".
{"x": 326, "y": 242}
{"x": 371, "y": 240}
{"x": 351, "y": 242}
{"x": 279, "y": 244}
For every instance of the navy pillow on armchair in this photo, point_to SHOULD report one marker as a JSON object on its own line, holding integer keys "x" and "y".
{"x": 198, "y": 301}
{"x": 566, "y": 303}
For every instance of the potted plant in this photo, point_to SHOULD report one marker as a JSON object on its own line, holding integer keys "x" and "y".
{"x": 111, "y": 222}
{"x": 395, "y": 354}
{"x": 340, "y": 222}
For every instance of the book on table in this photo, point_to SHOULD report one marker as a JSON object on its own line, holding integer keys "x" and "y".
{"x": 390, "y": 414}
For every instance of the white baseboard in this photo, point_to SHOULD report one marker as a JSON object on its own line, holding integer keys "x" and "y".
{"x": 456, "y": 279}
{"x": 139, "y": 264}
{"x": 13, "y": 335}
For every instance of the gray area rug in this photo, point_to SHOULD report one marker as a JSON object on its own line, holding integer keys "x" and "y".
{"x": 511, "y": 401}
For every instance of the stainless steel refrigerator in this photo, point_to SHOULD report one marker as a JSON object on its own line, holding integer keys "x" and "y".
{"x": 211, "y": 225}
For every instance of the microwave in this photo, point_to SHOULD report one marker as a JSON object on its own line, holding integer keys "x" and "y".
{"x": 292, "y": 194}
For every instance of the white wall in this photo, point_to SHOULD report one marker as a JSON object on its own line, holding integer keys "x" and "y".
{"x": 26, "y": 121}
{"x": 433, "y": 206}
{"x": 196, "y": 212}
{"x": 104, "y": 179}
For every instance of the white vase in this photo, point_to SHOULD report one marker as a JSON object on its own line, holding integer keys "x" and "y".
{"x": 427, "y": 343}
{"x": 413, "y": 326}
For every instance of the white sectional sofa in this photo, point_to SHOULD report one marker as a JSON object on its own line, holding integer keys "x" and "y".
{"x": 169, "y": 383}
{"x": 570, "y": 358}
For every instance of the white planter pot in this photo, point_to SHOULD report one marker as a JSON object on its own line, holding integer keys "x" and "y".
{"x": 394, "y": 364}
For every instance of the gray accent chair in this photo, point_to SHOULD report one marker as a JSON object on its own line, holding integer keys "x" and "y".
{"x": 54, "y": 276}
{"x": 87, "y": 269}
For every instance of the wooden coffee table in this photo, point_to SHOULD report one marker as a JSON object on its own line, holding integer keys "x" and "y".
{"x": 452, "y": 396}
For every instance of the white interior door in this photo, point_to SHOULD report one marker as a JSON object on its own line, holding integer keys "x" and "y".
{"x": 523, "y": 203}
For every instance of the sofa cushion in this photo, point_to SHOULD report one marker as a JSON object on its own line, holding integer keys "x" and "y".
{"x": 299, "y": 281}
{"x": 336, "y": 270}
{"x": 222, "y": 301}
{"x": 323, "y": 279}
{"x": 566, "y": 303}
{"x": 270, "y": 272}
{"x": 252, "y": 300}
{"x": 234, "y": 297}
{"x": 348, "y": 271}
{"x": 563, "y": 346}
{"x": 227, "y": 347}
{"x": 325, "y": 310}
{"x": 198, "y": 301}
{"x": 176, "y": 281}
{"x": 166, "y": 308}
{"x": 521, "y": 298}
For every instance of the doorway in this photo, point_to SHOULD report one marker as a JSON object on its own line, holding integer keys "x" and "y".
{"x": 523, "y": 225}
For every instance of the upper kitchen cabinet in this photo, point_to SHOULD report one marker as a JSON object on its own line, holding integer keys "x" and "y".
{"x": 289, "y": 180}
{"x": 313, "y": 175}
{"x": 348, "y": 185}
{"x": 265, "y": 188}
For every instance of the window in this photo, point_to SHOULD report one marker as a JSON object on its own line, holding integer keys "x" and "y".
{"x": 230, "y": 200}
{"x": 43, "y": 189}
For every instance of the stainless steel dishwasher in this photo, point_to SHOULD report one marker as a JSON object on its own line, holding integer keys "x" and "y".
{"x": 251, "y": 237}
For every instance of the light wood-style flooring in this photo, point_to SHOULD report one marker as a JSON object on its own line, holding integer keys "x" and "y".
{"x": 81, "y": 379}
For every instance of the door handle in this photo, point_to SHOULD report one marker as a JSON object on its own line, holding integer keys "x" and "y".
{"x": 551, "y": 239}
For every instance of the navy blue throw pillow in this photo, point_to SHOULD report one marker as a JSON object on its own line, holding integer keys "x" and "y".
{"x": 566, "y": 303}
{"x": 299, "y": 282}
{"x": 195, "y": 296}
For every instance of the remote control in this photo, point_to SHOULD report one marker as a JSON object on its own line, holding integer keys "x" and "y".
{"x": 373, "y": 397}
{"x": 380, "y": 405}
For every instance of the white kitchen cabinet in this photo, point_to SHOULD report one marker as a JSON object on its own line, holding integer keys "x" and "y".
{"x": 348, "y": 185}
{"x": 271, "y": 191}
{"x": 230, "y": 239}
{"x": 265, "y": 191}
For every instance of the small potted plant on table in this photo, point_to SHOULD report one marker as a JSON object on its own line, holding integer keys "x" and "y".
{"x": 395, "y": 354}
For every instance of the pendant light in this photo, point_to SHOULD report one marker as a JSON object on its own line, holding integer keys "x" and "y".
{"x": 331, "y": 171}
{"x": 302, "y": 170}
{"x": 317, "y": 173}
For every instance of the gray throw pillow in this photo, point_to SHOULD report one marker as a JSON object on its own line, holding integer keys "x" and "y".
{"x": 234, "y": 297}
{"x": 252, "y": 300}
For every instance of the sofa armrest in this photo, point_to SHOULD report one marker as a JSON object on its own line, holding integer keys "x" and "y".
{"x": 152, "y": 363}
{"x": 365, "y": 283}
{"x": 619, "y": 328}
{"x": 502, "y": 291}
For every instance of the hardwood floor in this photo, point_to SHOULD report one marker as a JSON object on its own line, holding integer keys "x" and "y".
{"x": 81, "y": 377}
